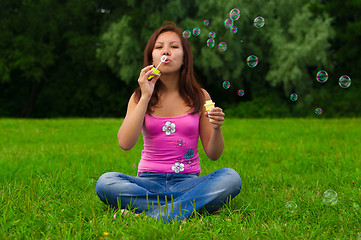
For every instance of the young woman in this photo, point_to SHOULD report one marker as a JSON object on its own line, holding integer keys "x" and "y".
{"x": 169, "y": 110}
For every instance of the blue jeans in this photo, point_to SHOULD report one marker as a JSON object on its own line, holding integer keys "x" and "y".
{"x": 169, "y": 196}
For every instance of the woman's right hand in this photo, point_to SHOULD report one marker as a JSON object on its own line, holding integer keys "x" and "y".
{"x": 147, "y": 86}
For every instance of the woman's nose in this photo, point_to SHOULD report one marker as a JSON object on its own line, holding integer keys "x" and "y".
{"x": 166, "y": 51}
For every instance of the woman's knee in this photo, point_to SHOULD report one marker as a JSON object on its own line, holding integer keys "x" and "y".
{"x": 105, "y": 178}
{"x": 104, "y": 181}
{"x": 231, "y": 178}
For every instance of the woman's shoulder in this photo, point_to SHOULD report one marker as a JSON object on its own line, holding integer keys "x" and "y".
{"x": 132, "y": 103}
{"x": 134, "y": 98}
{"x": 206, "y": 94}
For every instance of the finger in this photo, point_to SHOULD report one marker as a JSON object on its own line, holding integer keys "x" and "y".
{"x": 150, "y": 73}
{"x": 216, "y": 123}
{"x": 219, "y": 121}
{"x": 215, "y": 115}
{"x": 155, "y": 78}
{"x": 147, "y": 68}
{"x": 216, "y": 109}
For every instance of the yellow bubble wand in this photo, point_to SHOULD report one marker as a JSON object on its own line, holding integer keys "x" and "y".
{"x": 155, "y": 69}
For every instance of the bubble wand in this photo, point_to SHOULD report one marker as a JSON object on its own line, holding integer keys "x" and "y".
{"x": 155, "y": 69}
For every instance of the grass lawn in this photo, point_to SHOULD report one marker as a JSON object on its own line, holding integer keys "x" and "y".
{"x": 49, "y": 168}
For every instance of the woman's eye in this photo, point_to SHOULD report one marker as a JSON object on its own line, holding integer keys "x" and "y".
{"x": 175, "y": 47}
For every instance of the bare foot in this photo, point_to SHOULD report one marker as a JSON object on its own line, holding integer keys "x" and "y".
{"x": 218, "y": 211}
{"x": 125, "y": 212}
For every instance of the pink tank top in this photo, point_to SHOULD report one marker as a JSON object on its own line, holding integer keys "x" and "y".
{"x": 170, "y": 144}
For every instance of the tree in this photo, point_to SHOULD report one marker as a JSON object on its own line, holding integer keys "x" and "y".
{"x": 286, "y": 46}
{"x": 51, "y": 43}
{"x": 28, "y": 48}
{"x": 82, "y": 57}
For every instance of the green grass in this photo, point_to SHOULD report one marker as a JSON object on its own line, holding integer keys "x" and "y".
{"x": 49, "y": 168}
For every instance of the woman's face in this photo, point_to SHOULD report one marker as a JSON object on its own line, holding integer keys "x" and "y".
{"x": 169, "y": 44}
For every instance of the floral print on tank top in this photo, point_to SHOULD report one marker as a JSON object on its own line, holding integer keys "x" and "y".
{"x": 182, "y": 163}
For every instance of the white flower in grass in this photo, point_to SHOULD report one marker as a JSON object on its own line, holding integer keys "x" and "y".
{"x": 168, "y": 128}
{"x": 178, "y": 167}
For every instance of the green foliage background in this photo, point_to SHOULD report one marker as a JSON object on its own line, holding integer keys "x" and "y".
{"x": 82, "y": 58}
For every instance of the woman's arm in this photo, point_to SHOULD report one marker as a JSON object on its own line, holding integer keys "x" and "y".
{"x": 210, "y": 131}
{"x": 129, "y": 131}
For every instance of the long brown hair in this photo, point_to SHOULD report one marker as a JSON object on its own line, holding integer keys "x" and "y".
{"x": 189, "y": 89}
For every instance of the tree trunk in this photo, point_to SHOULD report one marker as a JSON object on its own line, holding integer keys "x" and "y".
{"x": 32, "y": 98}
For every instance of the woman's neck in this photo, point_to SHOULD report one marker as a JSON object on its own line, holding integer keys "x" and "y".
{"x": 170, "y": 80}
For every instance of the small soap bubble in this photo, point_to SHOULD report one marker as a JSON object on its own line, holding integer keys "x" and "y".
{"x": 211, "y": 34}
{"x": 258, "y": 22}
{"x": 211, "y": 42}
{"x": 196, "y": 31}
{"x": 206, "y": 22}
{"x": 222, "y": 46}
{"x": 241, "y": 92}
{"x": 355, "y": 206}
{"x": 228, "y": 23}
{"x": 344, "y": 81}
{"x": 318, "y": 111}
{"x": 234, "y": 14}
{"x": 226, "y": 84}
{"x": 187, "y": 34}
{"x": 291, "y": 208}
{"x": 233, "y": 29}
{"x": 322, "y": 76}
{"x": 329, "y": 197}
{"x": 252, "y": 61}
{"x": 104, "y": 10}
{"x": 294, "y": 97}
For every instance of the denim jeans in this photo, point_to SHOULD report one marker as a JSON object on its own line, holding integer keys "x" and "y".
{"x": 169, "y": 196}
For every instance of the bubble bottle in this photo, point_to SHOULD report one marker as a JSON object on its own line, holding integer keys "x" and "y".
{"x": 155, "y": 69}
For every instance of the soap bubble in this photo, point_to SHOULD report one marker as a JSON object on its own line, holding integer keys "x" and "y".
{"x": 344, "y": 81}
{"x": 322, "y": 76}
{"x": 329, "y": 197}
{"x": 211, "y": 42}
{"x": 294, "y": 97}
{"x": 235, "y": 13}
{"x": 233, "y": 29}
{"x": 318, "y": 111}
{"x": 228, "y": 23}
{"x": 226, "y": 84}
{"x": 222, "y": 46}
{"x": 196, "y": 31}
{"x": 206, "y": 22}
{"x": 252, "y": 61}
{"x": 104, "y": 10}
{"x": 211, "y": 34}
{"x": 240, "y": 92}
{"x": 187, "y": 34}
{"x": 258, "y": 22}
{"x": 291, "y": 208}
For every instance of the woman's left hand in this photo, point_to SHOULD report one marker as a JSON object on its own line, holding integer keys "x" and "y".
{"x": 216, "y": 117}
